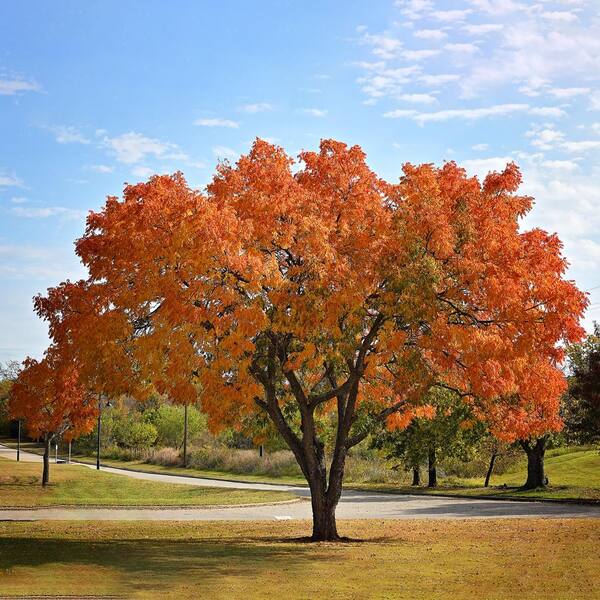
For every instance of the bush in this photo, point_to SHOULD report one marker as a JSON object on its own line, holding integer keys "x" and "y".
{"x": 135, "y": 434}
{"x": 245, "y": 462}
{"x": 169, "y": 419}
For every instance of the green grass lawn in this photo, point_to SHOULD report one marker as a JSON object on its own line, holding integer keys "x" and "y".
{"x": 81, "y": 486}
{"x": 574, "y": 474}
{"x": 491, "y": 559}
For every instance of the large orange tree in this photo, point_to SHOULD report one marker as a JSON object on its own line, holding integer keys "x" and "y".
{"x": 298, "y": 289}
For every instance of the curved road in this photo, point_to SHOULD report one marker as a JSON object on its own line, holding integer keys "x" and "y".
{"x": 353, "y": 504}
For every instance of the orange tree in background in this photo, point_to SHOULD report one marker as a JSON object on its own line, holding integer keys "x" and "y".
{"x": 49, "y": 398}
{"x": 301, "y": 290}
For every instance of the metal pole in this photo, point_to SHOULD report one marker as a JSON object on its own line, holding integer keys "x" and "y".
{"x": 69, "y": 452}
{"x": 185, "y": 434}
{"x": 260, "y": 450}
{"x": 98, "y": 440}
{"x": 56, "y": 451}
{"x": 19, "y": 441}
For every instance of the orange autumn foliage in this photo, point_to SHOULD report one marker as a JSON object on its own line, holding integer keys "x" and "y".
{"x": 49, "y": 397}
{"x": 191, "y": 282}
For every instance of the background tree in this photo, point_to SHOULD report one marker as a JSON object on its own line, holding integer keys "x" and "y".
{"x": 49, "y": 398}
{"x": 581, "y": 406}
{"x": 9, "y": 371}
{"x": 324, "y": 289}
{"x": 444, "y": 427}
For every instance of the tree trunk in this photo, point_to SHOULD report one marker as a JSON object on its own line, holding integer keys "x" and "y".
{"x": 46, "y": 468}
{"x": 416, "y": 475}
{"x": 489, "y": 471}
{"x": 432, "y": 468}
{"x": 536, "y": 477}
{"x": 324, "y": 524}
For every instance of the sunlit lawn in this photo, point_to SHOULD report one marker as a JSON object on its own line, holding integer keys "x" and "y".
{"x": 78, "y": 485}
{"x": 525, "y": 559}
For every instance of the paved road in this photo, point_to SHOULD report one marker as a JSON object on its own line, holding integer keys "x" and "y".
{"x": 353, "y": 505}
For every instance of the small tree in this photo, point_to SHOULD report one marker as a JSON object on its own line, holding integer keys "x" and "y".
{"x": 49, "y": 398}
{"x": 444, "y": 427}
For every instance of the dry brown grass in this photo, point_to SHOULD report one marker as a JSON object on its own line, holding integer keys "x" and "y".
{"x": 491, "y": 559}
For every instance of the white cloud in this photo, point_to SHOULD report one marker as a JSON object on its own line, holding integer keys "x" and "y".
{"x": 462, "y": 48}
{"x": 419, "y": 54}
{"x": 67, "y": 134}
{"x": 450, "y": 16}
{"x": 595, "y": 100}
{"x": 440, "y": 79}
{"x": 497, "y": 7}
{"x": 561, "y": 165}
{"x": 480, "y": 147}
{"x": 18, "y": 200}
{"x": 570, "y": 92}
{"x": 559, "y": 15}
{"x": 382, "y": 45}
{"x": 12, "y": 87}
{"x": 101, "y": 168}
{"x": 217, "y": 122}
{"x": 545, "y": 138}
{"x": 581, "y": 146}
{"x": 30, "y": 212}
{"x": 468, "y": 114}
{"x": 419, "y": 98}
{"x": 10, "y": 181}
{"x": 483, "y": 28}
{"x": 132, "y": 147}
{"x": 142, "y": 171}
{"x": 224, "y": 152}
{"x": 315, "y": 112}
{"x": 256, "y": 107}
{"x": 431, "y": 34}
{"x": 482, "y": 166}
{"x": 381, "y": 81}
{"x": 415, "y": 9}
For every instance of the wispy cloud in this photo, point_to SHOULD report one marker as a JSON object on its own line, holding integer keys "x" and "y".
{"x": 431, "y": 34}
{"x": 315, "y": 112}
{"x": 7, "y": 180}
{"x": 256, "y": 107}
{"x": 101, "y": 168}
{"x": 132, "y": 147}
{"x": 142, "y": 171}
{"x": 224, "y": 152}
{"x": 471, "y": 114}
{"x": 14, "y": 86}
{"x": 45, "y": 212}
{"x": 66, "y": 134}
{"x": 217, "y": 122}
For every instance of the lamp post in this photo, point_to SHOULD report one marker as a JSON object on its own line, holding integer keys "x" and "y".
{"x": 108, "y": 405}
{"x": 185, "y": 433}
{"x": 19, "y": 440}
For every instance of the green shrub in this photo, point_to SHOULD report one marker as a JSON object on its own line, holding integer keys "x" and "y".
{"x": 169, "y": 422}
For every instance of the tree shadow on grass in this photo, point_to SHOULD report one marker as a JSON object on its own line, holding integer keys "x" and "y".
{"x": 158, "y": 564}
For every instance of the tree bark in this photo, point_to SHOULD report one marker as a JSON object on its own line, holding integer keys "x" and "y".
{"x": 536, "y": 476}
{"x": 307, "y": 447}
{"x": 490, "y": 469}
{"x": 46, "y": 467}
{"x": 432, "y": 468}
{"x": 416, "y": 475}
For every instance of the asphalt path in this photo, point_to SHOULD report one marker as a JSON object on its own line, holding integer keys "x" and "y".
{"x": 354, "y": 504}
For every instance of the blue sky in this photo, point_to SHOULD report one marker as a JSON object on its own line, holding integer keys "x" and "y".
{"x": 94, "y": 94}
